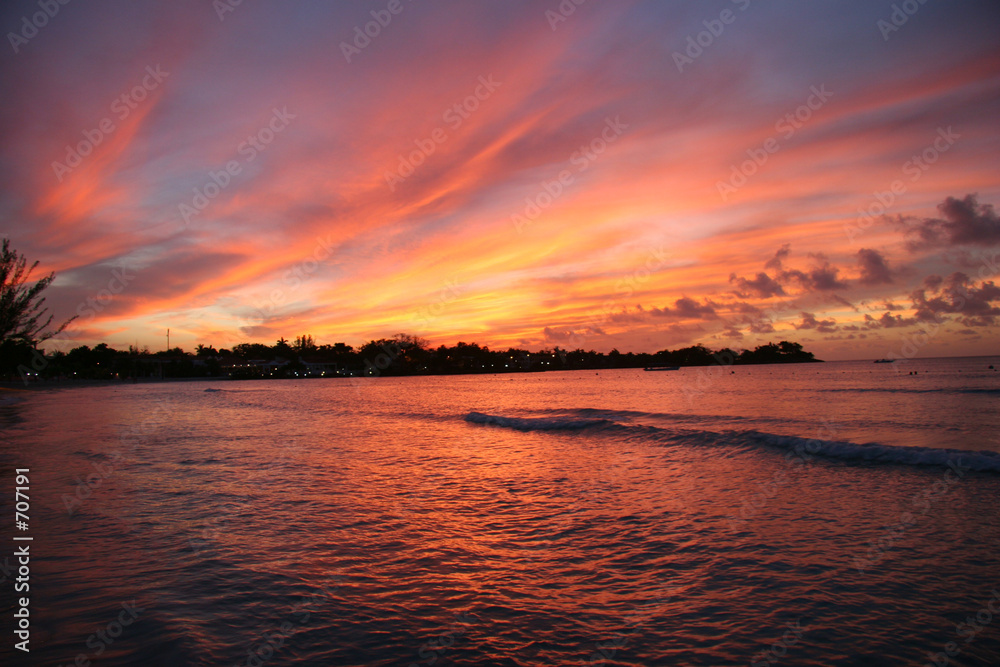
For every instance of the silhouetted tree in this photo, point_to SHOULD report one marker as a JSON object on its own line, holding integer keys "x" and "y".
{"x": 304, "y": 344}
{"x": 252, "y": 351}
{"x": 172, "y": 352}
{"x": 283, "y": 349}
{"x": 21, "y": 309}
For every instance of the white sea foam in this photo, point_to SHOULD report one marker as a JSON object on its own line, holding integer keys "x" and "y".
{"x": 876, "y": 453}
{"x": 983, "y": 461}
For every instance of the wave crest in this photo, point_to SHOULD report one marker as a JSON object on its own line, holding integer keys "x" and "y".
{"x": 982, "y": 461}
{"x": 805, "y": 448}
{"x": 537, "y": 424}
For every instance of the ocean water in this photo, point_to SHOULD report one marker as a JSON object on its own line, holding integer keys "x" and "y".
{"x": 821, "y": 514}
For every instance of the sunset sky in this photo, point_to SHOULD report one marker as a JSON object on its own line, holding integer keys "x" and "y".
{"x": 513, "y": 174}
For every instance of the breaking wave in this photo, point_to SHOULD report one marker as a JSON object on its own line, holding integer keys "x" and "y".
{"x": 802, "y": 448}
{"x": 908, "y": 390}
{"x": 982, "y": 461}
{"x": 538, "y": 423}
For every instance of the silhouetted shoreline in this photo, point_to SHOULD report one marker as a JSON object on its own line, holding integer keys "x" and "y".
{"x": 399, "y": 356}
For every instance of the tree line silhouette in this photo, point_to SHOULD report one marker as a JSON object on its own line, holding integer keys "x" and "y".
{"x": 400, "y": 355}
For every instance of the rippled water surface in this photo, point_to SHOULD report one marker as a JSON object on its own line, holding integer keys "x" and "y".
{"x": 820, "y": 514}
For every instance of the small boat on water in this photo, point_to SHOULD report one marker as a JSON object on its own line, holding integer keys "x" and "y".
{"x": 884, "y": 361}
{"x": 662, "y": 368}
